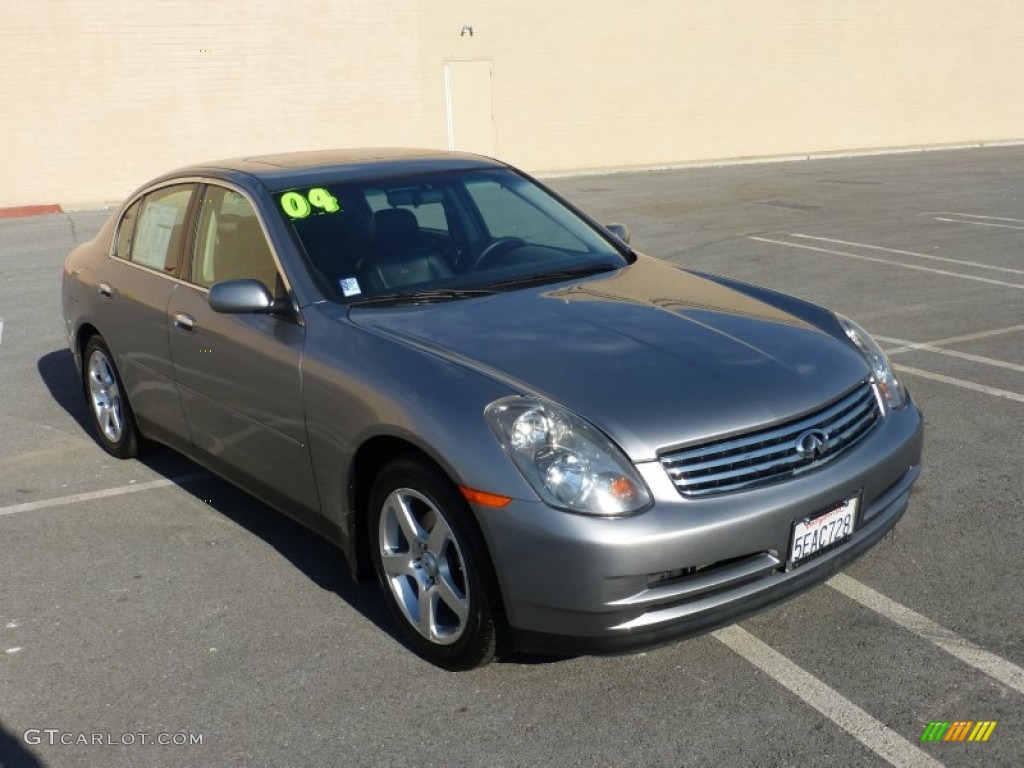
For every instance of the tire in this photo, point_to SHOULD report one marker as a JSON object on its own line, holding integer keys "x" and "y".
{"x": 432, "y": 567}
{"x": 112, "y": 415}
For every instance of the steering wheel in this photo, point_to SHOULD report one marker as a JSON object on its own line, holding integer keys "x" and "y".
{"x": 491, "y": 255}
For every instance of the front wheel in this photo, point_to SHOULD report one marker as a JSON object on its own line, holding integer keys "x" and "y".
{"x": 430, "y": 562}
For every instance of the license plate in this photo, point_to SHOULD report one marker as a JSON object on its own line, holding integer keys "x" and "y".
{"x": 823, "y": 531}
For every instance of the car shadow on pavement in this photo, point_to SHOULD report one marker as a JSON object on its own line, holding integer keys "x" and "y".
{"x": 57, "y": 370}
{"x": 317, "y": 558}
{"x": 13, "y": 753}
{"x": 320, "y": 560}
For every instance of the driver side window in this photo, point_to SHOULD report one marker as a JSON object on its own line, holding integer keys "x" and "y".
{"x": 506, "y": 214}
{"x": 230, "y": 244}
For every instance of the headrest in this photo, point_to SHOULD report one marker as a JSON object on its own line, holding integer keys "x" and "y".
{"x": 395, "y": 230}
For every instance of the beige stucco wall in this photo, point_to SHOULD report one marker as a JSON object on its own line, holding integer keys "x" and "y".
{"x": 98, "y": 95}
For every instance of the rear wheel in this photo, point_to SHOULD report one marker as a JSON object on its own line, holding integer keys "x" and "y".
{"x": 430, "y": 562}
{"x": 112, "y": 415}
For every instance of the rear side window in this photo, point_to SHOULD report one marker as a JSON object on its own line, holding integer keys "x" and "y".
{"x": 160, "y": 230}
{"x": 125, "y": 230}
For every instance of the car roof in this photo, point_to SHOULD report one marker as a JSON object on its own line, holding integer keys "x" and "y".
{"x": 291, "y": 169}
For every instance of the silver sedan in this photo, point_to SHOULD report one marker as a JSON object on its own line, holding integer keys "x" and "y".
{"x": 531, "y": 436}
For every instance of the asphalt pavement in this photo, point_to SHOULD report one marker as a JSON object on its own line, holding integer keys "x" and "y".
{"x": 147, "y": 601}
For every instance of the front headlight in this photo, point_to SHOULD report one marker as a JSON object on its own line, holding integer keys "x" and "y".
{"x": 570, "y": 463}
{"x": 886, "y": 380}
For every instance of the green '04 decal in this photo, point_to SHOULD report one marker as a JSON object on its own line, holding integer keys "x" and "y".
{"x": 298, "y": 205}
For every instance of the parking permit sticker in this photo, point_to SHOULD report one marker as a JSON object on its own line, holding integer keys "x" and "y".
{"x": 350, "y": 286}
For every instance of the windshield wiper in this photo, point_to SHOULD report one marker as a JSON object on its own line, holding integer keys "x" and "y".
{"x": 421, "y": 297}
{"x": 540, "y": 278}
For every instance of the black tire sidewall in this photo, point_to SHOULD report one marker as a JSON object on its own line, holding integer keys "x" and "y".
{"x": 478, "y": 643}
{"x": 128, "y": 445}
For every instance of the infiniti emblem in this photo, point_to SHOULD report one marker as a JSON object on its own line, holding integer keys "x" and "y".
{"x": 812, "y": 444}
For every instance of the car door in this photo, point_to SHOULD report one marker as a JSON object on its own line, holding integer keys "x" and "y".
{"x": 134, "y": 289}
{"x": 239, "y": 375}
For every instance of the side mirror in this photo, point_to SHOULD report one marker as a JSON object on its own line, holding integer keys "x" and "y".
{"x": 621, "y": 231}
{"x": 235, "y": 297}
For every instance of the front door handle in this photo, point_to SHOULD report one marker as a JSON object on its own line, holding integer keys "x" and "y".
{"x": 104, "y": 290}
{"x": 184, "y": 322}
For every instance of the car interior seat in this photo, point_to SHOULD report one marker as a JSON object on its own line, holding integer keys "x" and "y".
{"x": 243, "y": 252}
{"x": 337, "y": 243}
{"x": 398, "y": 257}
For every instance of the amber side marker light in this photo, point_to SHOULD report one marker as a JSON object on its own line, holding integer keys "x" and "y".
{"x": 484, "y": 498}
{"x": 623, "y": 489}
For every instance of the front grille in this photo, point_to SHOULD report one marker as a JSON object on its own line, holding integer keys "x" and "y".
{"x": 771, "y": 454}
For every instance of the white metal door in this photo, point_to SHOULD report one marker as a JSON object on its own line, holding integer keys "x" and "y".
{"x": 469, "y": 106}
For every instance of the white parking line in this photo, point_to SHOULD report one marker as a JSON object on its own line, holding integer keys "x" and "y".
{"x": 909, "y": 346}
{"x": 1, "y": 330}
{"x": 972, "y": 216}
{"x": 909, "y": 253}
{"x": 970, "y": 337}
{"x": 917, "y": 267}
{"x": 104, "y": 494}
{"x": 960, "y": 383}
{"x": 994, "y": 666}
{"x": 977, "y": 223}
{"x": 978, "y": 335}
{"x": 870, "y": 732}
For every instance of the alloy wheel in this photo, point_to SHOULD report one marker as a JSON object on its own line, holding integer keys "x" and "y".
{"x": 105, "y": 397}
{"x": 424, "y": 566}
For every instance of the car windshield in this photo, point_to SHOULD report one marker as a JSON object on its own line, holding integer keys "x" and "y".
{"x": 447, "y": 235}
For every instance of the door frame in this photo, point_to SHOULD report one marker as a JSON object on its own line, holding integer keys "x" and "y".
{"x": 449, "y": 115}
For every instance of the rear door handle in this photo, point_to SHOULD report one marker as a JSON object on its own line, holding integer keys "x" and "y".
{"x": 184, "y": 322}
{"x": 104, "y": 290}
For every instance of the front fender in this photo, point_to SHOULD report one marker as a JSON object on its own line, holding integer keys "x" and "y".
{"x": 358, "y": 384}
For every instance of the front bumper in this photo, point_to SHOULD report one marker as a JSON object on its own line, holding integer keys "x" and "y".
{"x": 579, "y": 584}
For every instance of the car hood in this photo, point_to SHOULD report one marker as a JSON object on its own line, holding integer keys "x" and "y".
{"x": 654, "y": 356}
